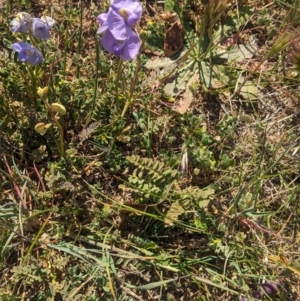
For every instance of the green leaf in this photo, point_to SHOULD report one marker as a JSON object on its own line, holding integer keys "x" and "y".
{"x": 4, "y": 122}
{"x": 239, "y": 52}
{"x": 212, "y": 76}
{"x": 150, "y": 286}
{"x": 204, "y": 194}
{"x": 111, "y": 263}
{"x": 169, "y": 5}
{"x": 203, "y": 204}
{"x": 67, "y": 249}
{"x": 249, "y": 91}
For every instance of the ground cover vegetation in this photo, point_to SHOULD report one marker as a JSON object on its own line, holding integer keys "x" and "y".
{"x": 149, "y": 150}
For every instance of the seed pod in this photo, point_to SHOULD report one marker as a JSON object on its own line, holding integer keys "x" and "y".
{"x": 42, "y": 91}
{"x": 58, "y": 108}
{"x": 42, "y": 128}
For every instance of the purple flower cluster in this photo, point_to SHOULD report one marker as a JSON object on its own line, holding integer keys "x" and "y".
{"x": 39, "y": 27}
{"x": 116, "y": 25}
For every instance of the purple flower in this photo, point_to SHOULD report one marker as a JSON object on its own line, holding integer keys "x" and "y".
{"x": 118, "y": 37}
{"x": 270, "y": 288}
{"x": 21, "y": 23}
{"x": 267, "y": 288}
{"x": 40, "y": 29}
{"x": 122, "y": 16}
{"x": 125, "y": 49}
{"x": 27, "y": 53}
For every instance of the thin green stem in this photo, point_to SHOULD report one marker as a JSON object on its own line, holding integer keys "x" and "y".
{"x": 61, "y": 138}
{"x": 66, "y": 41}
{"x": 117, "y": 82}
{"x": 96, "y": 82}
{"x": 79, "y": 39}
{"x": 134, "y": 80}
{"x": 27, "y": 4}
{"x": 127, "y": 104}
{"x": 8, "y": 9}
{"x": 60, "y": 129}
{"x": 133, "y": 83}
{"x": 34, "y": 89}
{"x": 35, "y": 241}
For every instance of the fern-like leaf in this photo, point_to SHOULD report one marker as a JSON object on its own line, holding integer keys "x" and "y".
{"x": 172, "y": 215}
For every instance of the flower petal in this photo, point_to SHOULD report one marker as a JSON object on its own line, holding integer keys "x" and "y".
{"x": 132, "y": 19}
{"x": 21, "y": 23}
{"x": 131, "y": 47}
{"x": 48, "y": 21}
{"x": 15, "y": 25}
{"x": 117, "y": 26}
{"x": 21, "y": 46}
{"x": 133, "y": 7}
{"x": 102, "y": 19}
{"x": 23, "y": 56}
{"x": 126, "y": 50}
{"x": 35, "y": 57}
{"x": 108, "y": 41}
{"x": 40, "y": 29}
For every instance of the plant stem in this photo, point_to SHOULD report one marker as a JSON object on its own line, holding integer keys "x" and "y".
{"x": 117, "y": 81}
{"x": 61, "y": 138}
{"x": 127, "y": 104}
{"x": 35, "y": 241}
{"x": 79, "y": 39}
{"x": 60, "y": 130}
{"x": 34, "y": 90}
{"x": 133, "y": 83}
{"x": 95, "y": 83}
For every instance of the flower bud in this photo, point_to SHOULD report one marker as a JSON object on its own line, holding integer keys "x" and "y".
{"x": 42, "y": 91}
{"x": 270, "y": 288}
{"x": 58, "y": 108}
{"x": 42, "y": 128}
